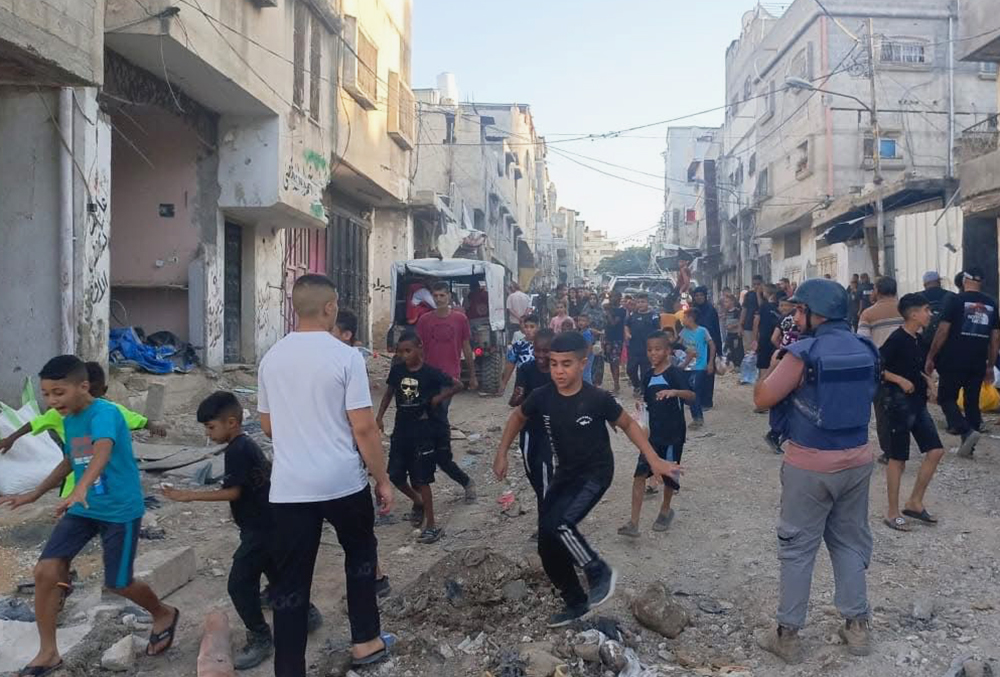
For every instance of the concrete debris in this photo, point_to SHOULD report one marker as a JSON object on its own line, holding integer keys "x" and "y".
{"x": 120, "y": 657}
{"x": 515, "y": 591}
{"x": 976, "y": 668}
{"x": 923, "y": 608}
{"x": 613, "y": 655}
{"x": 470, "y": 646}
{"x": 166, "y": 571}
{"x": 656, "y": 609}
{"x": 539, "y": 659}
{"x": 12, "y": 609}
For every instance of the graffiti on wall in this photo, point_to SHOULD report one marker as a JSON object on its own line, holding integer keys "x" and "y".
{"x": 308, "y": 178}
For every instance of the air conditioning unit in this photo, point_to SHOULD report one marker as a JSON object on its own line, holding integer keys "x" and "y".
{"x": 360, "y": 75}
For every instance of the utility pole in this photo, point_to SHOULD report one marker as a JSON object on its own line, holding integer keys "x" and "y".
{"x": 880, "y": 261}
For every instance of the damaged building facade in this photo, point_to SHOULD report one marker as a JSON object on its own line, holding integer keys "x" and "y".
{"x": 185, "y": 164}
{"x": 804, "y": 173}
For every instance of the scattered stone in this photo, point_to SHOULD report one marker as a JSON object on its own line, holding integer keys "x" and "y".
{"x": 974, "y": 668}
{"x": 129, "y": 621}
{"x": 12, "y": 609}
{"x": 120, "y": 657}
{"x": 982, "y": 606}
{"x": 591, "y": 653}
{"x": 656, "y": 609}
{"x": 470, "y": 646}
{"x": 218, "y": 572}
{"x": 515, "y": 591}
{"x": 166, "y": 571}
{"x": 446, "y": 652}
{"x": 613, "y": 655}
{"x": 923, "y": 608}
{"x": 539, "y": 659}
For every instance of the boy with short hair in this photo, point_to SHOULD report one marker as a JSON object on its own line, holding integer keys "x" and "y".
{"x": 107, "y": 500}
{"x": 639, "y": 325}
{"x": 346, "y": 328}
{"x": 245, "y": 486}
{"x": 575, "y": 416}
{"x": 904, "y": 408}
{"x": 521, "y": 350}
{"x": 53, "y": 420}
{"x": 536, "y": 452}
{"x": 697, "y": 339}
{"x": 665, "y": 388}
{"x": 419, "y": 389}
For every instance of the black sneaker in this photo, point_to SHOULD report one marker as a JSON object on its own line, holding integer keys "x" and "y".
{"x": 602, "y": 580}
{"x": 259, "y": 648}
{"x": 568, "y": 615}
{"x": 382, "y": 587}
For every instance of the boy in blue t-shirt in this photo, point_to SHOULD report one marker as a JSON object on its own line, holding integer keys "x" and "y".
{"x": 698, "y": 340}
{"x": 106, "y": 501}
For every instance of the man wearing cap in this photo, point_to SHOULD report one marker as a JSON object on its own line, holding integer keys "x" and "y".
{"x": 821, "y": 389}
{"x": 963, "y": 352}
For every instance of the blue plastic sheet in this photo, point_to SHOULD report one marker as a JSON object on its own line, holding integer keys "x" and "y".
{"x": 126, "y": 348}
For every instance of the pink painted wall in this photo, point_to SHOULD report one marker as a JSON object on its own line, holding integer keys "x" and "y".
{"x": 150, "y": 254}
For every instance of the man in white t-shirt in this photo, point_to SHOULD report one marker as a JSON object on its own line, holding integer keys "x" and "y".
{"x": 518, "y": 305}
{"x": 315, "y": 404}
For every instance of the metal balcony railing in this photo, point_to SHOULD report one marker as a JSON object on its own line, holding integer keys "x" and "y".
{"x": 979, "y": 139}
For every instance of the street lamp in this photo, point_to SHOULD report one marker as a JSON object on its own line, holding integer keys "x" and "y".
{"x": 792, "y": 82}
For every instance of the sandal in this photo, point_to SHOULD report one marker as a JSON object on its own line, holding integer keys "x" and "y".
{"x": 163, "y": 636}
{"x": 663, "y": 521}
{"x": 897, "y": 524}
{"x": 430, "y": 535}
{"x": 388, "y": 641}
{"x": 38, "y": 670}
{"x": 630, "y": 530}
{"x": 923, "y": 516}
{"x": 416, "y": 516}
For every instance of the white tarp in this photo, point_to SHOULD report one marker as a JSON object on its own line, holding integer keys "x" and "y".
{"x": 448, "y": 268}
{"x": 32, "y": 457}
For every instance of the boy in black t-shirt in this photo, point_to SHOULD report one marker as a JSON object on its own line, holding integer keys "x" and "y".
{"x": 665, "y": 388}
{"x": 535, "y": 449}
{"x": 639, "y": 325}
{"x": 419, "y": 389}
{"x": 246, "y": 485}
{"x": 903, "y": 400}
{"x": 574, "y": 415}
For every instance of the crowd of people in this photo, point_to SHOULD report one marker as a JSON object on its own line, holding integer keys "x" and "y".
{"x": 825, "y": 353}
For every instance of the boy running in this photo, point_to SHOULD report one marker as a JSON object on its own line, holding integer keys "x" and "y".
{"x": 535, "y": 449}
{"x": 246, "y": 486}
{"x": 664, "y": 389}
{"x": 419, "y": 390}
{"x": 107, "y": 501}
{"x": 904, "y": 407}
{"x": 697, "y": 340}
{"x": 583, "y": 326}
{"x": 520, "y": 351}
{"x": 575, "y": 417}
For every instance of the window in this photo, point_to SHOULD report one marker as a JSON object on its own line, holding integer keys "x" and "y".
{"x": 763, "y": 184}
{"x": 360, "y": 64}
{"x": 752, "y": 166}
{"x": 690, "y": 216}
{"x": 299, "y": 36}
{"x": 888, "y": 147}
{"x": 769, "y": 102}
{"x": 792, "y": 244}
{"x": 404, "y": 60}
{"x": 802, "y": 164}
{"x": 401, "y": 112}
{"x": 801, "y": 65}
{"x": 988, "y": 69}
{"x": 746, "y": 89}
{"x": 677, "y": 217}
{"x": 449, "y": 128}
{"x": 738, "y": 178}
{"x": 315, "y": 67}
{"x": 903, "y": 52}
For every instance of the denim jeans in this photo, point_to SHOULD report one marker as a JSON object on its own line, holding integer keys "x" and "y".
{"x": 697, "y": 380}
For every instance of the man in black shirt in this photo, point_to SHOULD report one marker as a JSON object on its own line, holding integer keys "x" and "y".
{"x": 903, "y": 402}
{"x": 964, "y": 352}
{"x": 575, "y": 416}
{"x": 708, "y": 317}
{"x": 246, "y": 486}
{"x": 639, "y": 325}
{"x": 614, "y": 337}
{"x": 768, "y": 318}
{"x": 866, "y": 290}
{"x": 937, "y": 297}
{"x": 752, "y": 301}
{"x": 535, "y": 449}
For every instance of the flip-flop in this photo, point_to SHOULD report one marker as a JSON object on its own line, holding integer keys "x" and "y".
{"x": 164, "y": 636}
{"x": 416, "y": 516}
{"x": 897, "y": 524}
{"x": 428, "y": 536}
{"x": 38, "y": 670}
{"x": 388, "y": 640}
{"x": 923, "y": 516}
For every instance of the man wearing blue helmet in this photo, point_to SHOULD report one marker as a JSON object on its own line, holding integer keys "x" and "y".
{"x": 820, "y": 391}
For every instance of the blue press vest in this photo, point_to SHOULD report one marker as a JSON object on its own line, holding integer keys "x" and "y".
{"x": 830, "y": 411}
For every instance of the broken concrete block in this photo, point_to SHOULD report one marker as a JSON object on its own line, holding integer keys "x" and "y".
{"x": 120, "y": 657}
{"x": 155, "y": 400}
{"x": 166, "y": 571}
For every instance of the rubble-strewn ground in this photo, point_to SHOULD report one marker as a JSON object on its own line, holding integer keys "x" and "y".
{"x": 476, "y": 599}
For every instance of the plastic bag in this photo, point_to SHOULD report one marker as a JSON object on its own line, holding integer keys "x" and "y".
{"x": 32, "y": 457}
{"x": 748, "y": 369}
{"x": 989, "y": 398}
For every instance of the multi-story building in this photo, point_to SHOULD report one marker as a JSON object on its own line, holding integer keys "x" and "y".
{"x": 212, "y": 152}
{"x": 596, "y": 248}
{"x": 979, "y": 152}
{"x": 686, "y": 148}
{"x": 798, "y": 164}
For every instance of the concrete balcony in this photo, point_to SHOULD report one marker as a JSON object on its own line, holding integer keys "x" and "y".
{"x": 980, "y": 183}
{"x": 974, "y": 43}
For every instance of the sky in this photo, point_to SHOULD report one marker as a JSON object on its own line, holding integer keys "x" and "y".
{"x": 588, "y": 67}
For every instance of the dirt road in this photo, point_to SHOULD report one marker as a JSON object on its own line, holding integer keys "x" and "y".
{"x": 719, "y": 559}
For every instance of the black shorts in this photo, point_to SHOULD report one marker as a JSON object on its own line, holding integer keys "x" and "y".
{"x": 118, "y": 541}
{"x": 412, "y": 457}
{"x": 668, "y": 452}
{"x": 612, "y": 351}
{"x": 910, "y": 421}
